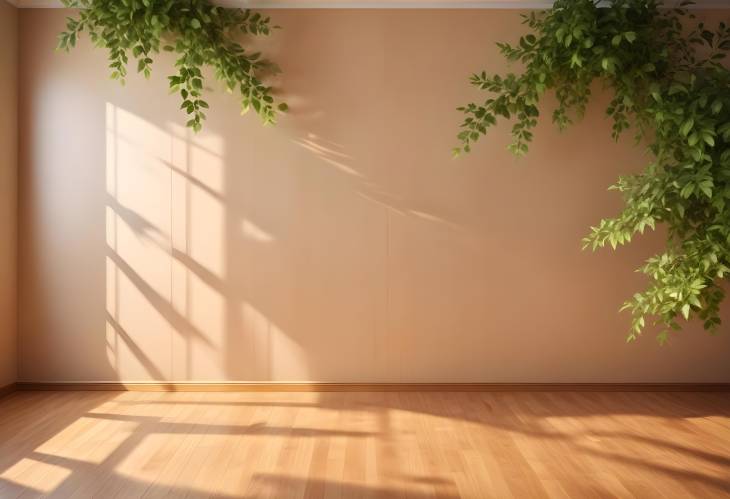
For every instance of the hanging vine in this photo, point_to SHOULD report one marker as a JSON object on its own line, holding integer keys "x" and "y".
{"x": 666, "y": 74}
{"x": 198, "y": 32}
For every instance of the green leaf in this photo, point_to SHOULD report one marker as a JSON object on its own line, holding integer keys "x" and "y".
{"x": 686, "y": 127}
{"x": 685, "y": 310}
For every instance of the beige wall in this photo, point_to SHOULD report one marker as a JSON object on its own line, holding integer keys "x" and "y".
{"x": 8, "y": 191}
{"x": 343, "y": 245}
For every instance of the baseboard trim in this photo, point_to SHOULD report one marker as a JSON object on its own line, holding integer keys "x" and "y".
{"x": 372, "y": 387}
{"x": 7, "y": 389}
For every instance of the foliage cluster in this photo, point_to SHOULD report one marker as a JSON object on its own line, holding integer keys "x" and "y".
{"x": 664, "y": 69}
{"x": 198, "y": 32}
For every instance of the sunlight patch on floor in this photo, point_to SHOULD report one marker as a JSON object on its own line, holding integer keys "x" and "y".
{"x": 36, "y": 475}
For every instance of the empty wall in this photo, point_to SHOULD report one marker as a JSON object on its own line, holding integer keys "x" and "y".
{"x": 8, "y": 188}
{"x": 345, "y": 244}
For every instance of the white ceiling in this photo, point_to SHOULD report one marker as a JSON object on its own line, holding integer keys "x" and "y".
{"x": 380, "y": 4}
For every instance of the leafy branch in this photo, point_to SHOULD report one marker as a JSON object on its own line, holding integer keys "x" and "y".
{"x": 665, "y": 71}
{"x": 198, "y": 32}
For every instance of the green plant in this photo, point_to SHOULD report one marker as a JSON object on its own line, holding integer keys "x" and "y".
{"x": 198, "y": 32}
{"x": 664, "y": 69}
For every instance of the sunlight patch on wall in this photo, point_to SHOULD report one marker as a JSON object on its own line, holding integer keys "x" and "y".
{"x": 206, "y": 160}
{"x": 198, "y": 189}
{"x": 206, "y": 312}
{"x": 172, "y": 314}
{"x": 288, "y": 359}
{"x": 271, "y": 348}
{"x": 256, "y": 233}
{"x": 328, "y": 155}
{"x": 257, "y": 327}
{"x": 205, "y": 230}
{"x": 137, "y": 233}
{"x": 112, "y": 347}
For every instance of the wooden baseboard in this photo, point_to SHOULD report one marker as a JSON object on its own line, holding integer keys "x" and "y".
{"x": 7, "y": 390}
{"x": 375, "y": 387}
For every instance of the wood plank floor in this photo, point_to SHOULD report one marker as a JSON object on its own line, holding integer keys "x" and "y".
{"x": 349, "y": 445}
